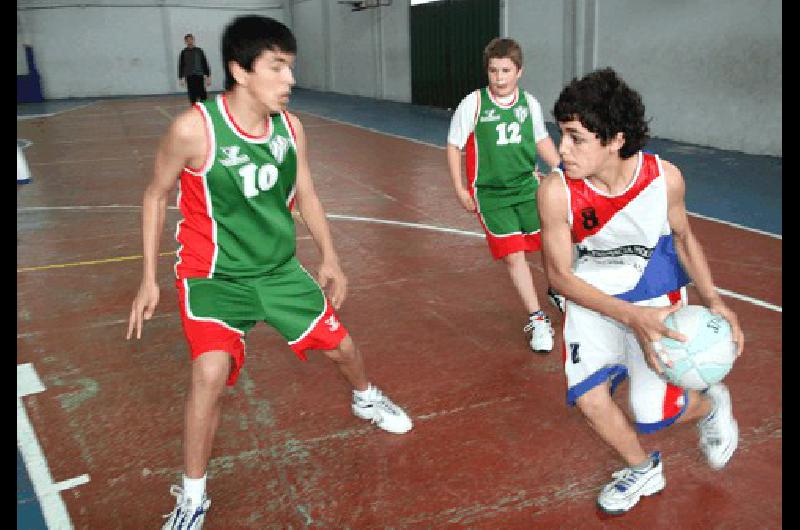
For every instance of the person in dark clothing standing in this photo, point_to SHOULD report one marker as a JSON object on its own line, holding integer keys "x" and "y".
{"x": 193, "y": 70}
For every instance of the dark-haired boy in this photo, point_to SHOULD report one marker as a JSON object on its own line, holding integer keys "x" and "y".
{"x": 242, "y": 164}
{"x": 504, "y": 133}
{"x": 618, "y": 245}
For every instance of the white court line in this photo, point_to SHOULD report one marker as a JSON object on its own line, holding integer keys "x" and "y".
{"x": 164, "y": 112}
{"x": 756, "y": 230}
{"x": 56, "y": 113}
{"x": 414, "y": 140}
{"x": 419, "y": 226}
{"x": 753, "y": 301}
{"x": 47, "y": 492}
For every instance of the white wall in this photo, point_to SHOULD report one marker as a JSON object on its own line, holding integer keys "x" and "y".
{"x": 709, "y": 72}
{"x": 364, "y": 53}
{"x": 128, "y": 48}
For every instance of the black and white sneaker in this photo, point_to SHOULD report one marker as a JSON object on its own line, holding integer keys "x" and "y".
{"x": 186, "y": 515}
{"x": 558, "y": 301}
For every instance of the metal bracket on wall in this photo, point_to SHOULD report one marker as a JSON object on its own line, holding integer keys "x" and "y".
{"x": 361, "y": 5}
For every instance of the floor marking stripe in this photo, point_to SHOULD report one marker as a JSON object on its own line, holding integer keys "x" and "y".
{"x": 735, "y": 225}
{"x": 54, "y": 113}
{"x": 421, "y": 226}
{"x": 47, "y": 492}
{"x": 753, "y": 301}
{"x": 93, "y": 262}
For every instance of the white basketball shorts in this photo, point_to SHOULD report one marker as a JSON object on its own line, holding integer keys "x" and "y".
{"x": 599, "y": 349}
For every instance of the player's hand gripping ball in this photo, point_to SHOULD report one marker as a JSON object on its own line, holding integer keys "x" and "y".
{"x": 708, "y": 354}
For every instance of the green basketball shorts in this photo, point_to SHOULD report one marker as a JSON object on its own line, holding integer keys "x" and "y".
{"x": 512, "y": 229}
{"x": 217, "y": 313}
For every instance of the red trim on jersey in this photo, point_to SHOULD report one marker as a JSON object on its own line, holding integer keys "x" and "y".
{"x": 289, "y": 124}
{"x": 472, "y": 162}
{"x": 674, "y": 296}
{"x": 497, "y": 102}
{"x": 196, "y": 230}
{"x": 196, "y": 106}
{"x": 672, "y": 407}
{"x": 583, "y": 198}
{"x": 239, "y": 129}
{"x": 204, "y": 336}
{"x": 326, "y": 334}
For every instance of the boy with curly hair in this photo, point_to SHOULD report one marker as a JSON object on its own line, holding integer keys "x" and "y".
{"x": 618, "y": 245}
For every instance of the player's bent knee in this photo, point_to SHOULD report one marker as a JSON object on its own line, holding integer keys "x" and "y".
{"x": 594, "y": 402}
{"x": 344, "y": 353}
{"x": 211, "y": 368}
{"x": 514, "y": 258}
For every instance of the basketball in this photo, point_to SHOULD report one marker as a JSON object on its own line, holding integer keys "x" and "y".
{"x": 706, "y": 357}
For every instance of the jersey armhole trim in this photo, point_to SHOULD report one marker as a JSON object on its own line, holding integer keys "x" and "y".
{"x": 567, "y": 195}
{"x": 210, "y": 147}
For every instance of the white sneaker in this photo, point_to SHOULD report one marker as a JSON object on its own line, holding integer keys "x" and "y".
{"x": 381, "y": 411}
{"x": 719, "y": 432}
{"x": 556, "y": 300}
{"x": 629, "y": 485}
{"x": 185, "y": 516}
{"x": 540, "y": 333}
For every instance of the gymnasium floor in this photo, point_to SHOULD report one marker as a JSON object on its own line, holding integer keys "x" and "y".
{"x": 494, "y": 446}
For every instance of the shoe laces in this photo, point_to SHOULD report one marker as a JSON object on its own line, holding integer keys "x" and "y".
{"x": 534, "y": 321}
{"x": 380, "y": 400}
{"x": 625, "y": 478}
{"x": 182, "y": 502}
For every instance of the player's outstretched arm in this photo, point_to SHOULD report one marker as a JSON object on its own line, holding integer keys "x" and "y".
{"x": 647, "y": 323}
{"x": 691, "y": 252}
{"x": 330, "y": 274}
{"x": 183, "y": 144}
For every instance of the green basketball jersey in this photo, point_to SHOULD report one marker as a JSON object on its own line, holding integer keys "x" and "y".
{"x": 237, "y": 219}
{"x": 501, "y": 153}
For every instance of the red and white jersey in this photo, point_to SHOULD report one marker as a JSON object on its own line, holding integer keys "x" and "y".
{"x": 623, "y": 243}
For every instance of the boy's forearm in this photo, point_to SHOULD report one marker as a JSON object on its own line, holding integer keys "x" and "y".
{"x": 694, "y": 262}
{"x": 313, "y": 215}
{"x": 454, "y": 165}
{"x": 153, "y": 212}
{"x": 586, "y": 295}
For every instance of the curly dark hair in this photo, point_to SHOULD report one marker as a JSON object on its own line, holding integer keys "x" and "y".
{"x": 605, "y": 105}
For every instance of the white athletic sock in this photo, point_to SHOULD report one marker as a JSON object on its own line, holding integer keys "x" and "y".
{"x": 194, "y": 489}
{"x": 365, "y": 393}
{"x": 644, "y": 466}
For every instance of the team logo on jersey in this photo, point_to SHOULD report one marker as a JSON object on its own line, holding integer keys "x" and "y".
{"x": 278, "y": 146}
{"x": 490, "y": 115}
{"x": 232, "y": 156}
{"x": 521, "y": 113}
{"x": 332, "y": 323}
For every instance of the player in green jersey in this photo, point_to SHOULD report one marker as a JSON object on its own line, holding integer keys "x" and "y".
{"x": 242, "y": 163}
{"x": 503, "y": 130}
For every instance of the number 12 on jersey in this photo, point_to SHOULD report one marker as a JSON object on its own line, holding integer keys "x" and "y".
{"x": 508, "y": 133}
